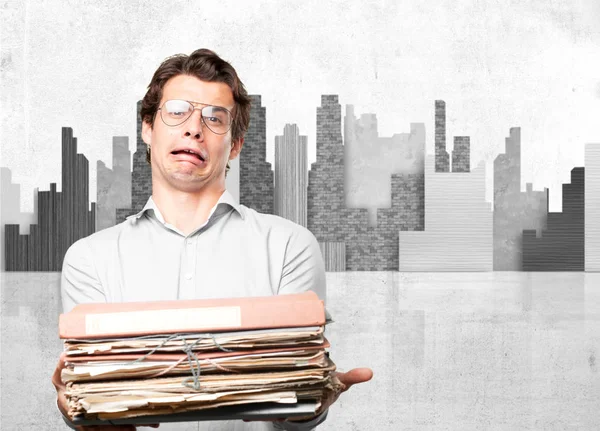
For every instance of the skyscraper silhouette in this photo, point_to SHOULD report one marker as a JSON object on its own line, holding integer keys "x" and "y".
{"x": 10, "y": 210}
{"x": 113, "y": 185}
{"x": 367, "y": 248}
{"x": 561, "y": 246}
{"x": 458, "y": 224}
{"x": 291, "y": 175}
{"x": 514, "y": 210}
{"x": 592, "y": 207}
{"x": 327, "y": 217}
{"x": 256, "y": 176}
{"x": 141, "y": 177}
{"x": 461, "y": 154}
{"x": 63, "y": 217}
{"x": 370, "y": 160}
{"x": 442, "y": 159}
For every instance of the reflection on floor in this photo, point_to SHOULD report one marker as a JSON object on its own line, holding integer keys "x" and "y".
{"x": 450, "y": 351}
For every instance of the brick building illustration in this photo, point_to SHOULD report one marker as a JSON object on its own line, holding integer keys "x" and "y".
{"x": 366, "y": 247}
{"x": 141, "y": 176}
{"x": 256, "y": 175}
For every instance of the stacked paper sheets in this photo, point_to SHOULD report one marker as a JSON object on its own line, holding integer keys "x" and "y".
{"x": 236, "y": 358}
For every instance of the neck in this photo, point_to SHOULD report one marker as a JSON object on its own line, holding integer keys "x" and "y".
{"x": 185, "y": 210}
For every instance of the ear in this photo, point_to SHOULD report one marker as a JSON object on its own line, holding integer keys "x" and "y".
{"x": 236, "y": 148}
{"x": 146, "y": 133}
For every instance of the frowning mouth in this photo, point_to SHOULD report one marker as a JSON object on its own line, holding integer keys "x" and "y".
{"x": 189, "y": 152}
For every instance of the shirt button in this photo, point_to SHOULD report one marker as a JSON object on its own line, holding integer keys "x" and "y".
{"x": 190, "y": 242}
{"x": 188, "y": 276}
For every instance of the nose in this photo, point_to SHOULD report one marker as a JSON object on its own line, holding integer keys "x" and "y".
{"x": 193, "y": 125}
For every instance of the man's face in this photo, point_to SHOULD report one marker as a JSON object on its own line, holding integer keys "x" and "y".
{"x": 173, "y": 167}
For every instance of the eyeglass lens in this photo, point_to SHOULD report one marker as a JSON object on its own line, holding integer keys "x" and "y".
{"x": 216, "y": 118}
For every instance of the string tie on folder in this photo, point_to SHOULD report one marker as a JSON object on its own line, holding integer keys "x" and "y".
{"x": 192, "y": 382}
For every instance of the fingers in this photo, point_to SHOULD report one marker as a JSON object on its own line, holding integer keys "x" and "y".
{"x": 354, "y": 376}
{"x": 264, "y": 420}
{"x": 56, "y": 380}
{"x": 116, "y": 427}
{"x": 109, "y": 428}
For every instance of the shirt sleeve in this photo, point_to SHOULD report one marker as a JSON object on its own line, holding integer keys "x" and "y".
{"x": 303, "y": 266}
{"x": 79, "y": 280}
{"x": 303, "y": 270}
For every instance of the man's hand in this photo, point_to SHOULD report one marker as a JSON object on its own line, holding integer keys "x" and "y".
{"x": 63, "y": 407}
{"x": 352, "y": 377}
{"x": 348, "y": 379}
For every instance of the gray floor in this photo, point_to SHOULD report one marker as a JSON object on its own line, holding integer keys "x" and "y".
{"x": 450, "y": 351}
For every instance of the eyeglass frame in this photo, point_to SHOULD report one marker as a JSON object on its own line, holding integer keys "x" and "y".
{"x": 194, "y": 105}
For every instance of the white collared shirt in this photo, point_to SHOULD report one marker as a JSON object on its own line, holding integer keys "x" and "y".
{"x": 237, "y": 252}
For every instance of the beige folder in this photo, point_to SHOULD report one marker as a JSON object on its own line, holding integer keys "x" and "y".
{"x": 130, "y": 319}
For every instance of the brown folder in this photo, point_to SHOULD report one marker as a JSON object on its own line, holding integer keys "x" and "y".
{"x": 131, "y": 319}
{"x": 209, "y": 355}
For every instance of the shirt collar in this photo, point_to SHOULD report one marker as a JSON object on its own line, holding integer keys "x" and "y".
{"x": 226, "y": 199}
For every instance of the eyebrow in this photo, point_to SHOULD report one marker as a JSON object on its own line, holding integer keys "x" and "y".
{"x": 208, "y": 104}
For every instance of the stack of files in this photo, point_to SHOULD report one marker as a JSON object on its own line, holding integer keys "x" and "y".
{"x": 169, "y": 361}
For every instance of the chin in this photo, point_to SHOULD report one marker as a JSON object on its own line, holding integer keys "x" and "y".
{"x": 186, "y": 182}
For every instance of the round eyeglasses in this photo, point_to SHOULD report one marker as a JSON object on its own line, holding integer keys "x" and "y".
{"x": 176, "y": 112}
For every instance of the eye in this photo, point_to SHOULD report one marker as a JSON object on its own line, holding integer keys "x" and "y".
{"x": 213, "y": 120}
{"x": 177, "y": 108}
{"x": 215, "y": 114}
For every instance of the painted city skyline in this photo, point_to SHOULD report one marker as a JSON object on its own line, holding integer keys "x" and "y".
{"x": 375, "y": 203}
{"x": 516, "y": 64}
{"x": 520, "y": 80}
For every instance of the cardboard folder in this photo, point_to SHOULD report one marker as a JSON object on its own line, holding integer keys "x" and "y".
{"x": 163, "y": 361}
{"x": 99, "y": 367}
{"x": 133, "y": 398}
{"x": 130, "y": 319}
{"x": 216, "y": 354}
{"x": 259, "y": 411}
{"x": 238, "y": 340}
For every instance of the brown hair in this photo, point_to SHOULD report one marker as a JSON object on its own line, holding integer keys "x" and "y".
{"x": 205, "y": 65}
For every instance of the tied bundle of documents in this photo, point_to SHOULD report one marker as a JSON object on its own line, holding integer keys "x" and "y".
{"x": 169, "y": 361}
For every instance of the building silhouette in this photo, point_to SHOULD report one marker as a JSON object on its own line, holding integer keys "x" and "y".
{"x": 370, "y": 160}
{"x": 291, "y": 175}
{"x": 442, "y": 159}
{"x": 327, "y": 216}
{"x": 113, "y": 185}
{"x": 256, "y": 175}
{"x": 407, "y": 213}
{"x": 592, "y": 207}
{"x": 367, "y": 248}
{"x": 458, "y": 221}
{"x": 461, "y": 154}
{"x": 561, "y": 247}
{"x": 514, "y": 210}
{"x": 10, "y": 210}
{"x": 141, "y": 176}
{"x": 458, "y": 224}
{"x": 63, "y": 217}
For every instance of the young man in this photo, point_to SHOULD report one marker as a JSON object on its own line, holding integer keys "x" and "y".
{"x": 192, "y": 240}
